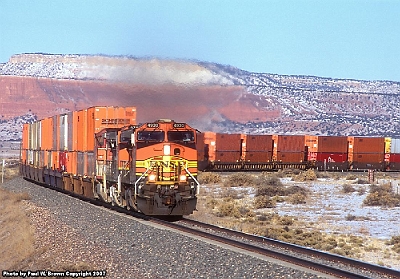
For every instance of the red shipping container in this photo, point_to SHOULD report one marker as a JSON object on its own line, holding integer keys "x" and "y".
{"x": 228, "y": 156}
{"x": 331, "y": 157}
{"x": 229, "y": 142}
{"x": 259, "y": 143}
{"x": 368, "y": 157}
{"x": 368, "y": 144}
{"x": 334, "y": 144}
{"x": 63, "y": 161}
{"x": 290, "y": 157}
{"x": 290, "y": 143}
{"x": 394, "y": 157}
{"x": 258, "y": 156}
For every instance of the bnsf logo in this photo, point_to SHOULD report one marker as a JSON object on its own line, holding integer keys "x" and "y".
{"x": 168, "y": 164}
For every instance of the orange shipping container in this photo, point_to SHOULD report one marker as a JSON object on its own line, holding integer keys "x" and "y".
{"x": 335, "y": 144}
{"x": 289, "y": 148}
{"x": 99, "y": 118}
{"x": 25, "y": 136}
{"x": 81, "y": 130}
{"x": 258, "y": 148}
{"x": 229, "y": 142}
{"x": 206, "y": 146}
{"x": 47, "y": 133}
{"x": 72, "y": 164}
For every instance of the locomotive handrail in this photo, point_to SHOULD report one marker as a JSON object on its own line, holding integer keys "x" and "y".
{"x": 143, "y": 174}
{"x": 198, "y": 183}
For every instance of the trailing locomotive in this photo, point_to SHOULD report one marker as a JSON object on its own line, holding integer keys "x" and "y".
{"x": 101, "y": 153}
{"x": 241, "y": 152}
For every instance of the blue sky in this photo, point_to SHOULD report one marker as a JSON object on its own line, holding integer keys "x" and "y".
{"x": 357, "y": 39}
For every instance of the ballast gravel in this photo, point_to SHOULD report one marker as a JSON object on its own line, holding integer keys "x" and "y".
{"x": 77, "y": 231}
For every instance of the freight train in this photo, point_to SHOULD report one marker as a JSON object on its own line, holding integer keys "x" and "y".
{"x": 100, "y": 153}
{"x": 243, "y": 152}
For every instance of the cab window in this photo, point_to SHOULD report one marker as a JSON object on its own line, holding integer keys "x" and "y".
{"x": 155, "y": 136}
{"x": 180, "y": 136}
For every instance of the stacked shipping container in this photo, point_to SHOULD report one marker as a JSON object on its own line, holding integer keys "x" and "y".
{"x": 392, "y": 153}
{"x": 328, "y": 152}
{"x": 366, "y": 152}
{"x": 67, "y": 142}
{"x": 289, "y": 148}
{"x": 322, "y": 152}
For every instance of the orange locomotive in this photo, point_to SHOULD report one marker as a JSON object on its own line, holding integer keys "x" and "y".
{"x": 101, "y": 153}
{"x": 153, "y": 167}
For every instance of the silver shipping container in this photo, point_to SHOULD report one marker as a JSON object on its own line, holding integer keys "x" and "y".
{"x": 90, "y": 164}
{"x": 395, "y": 146}
{"x": 63, "y": 132}
{"x": 49, "y": 160}
{"x": 30, "y": 157}
{"x": 35, "y": 135}
{"x": 41, "y": 159}
{"x": 81, "y": 163}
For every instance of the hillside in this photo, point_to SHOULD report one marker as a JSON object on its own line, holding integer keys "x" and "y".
{"x": 209, "y": 96}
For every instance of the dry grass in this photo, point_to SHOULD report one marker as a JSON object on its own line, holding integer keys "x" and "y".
{"x": 10, "y": 171}
{"x": 21, "y": 250}
{"x": 16, "y": 235}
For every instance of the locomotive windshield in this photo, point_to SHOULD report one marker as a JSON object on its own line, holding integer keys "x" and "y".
{"x": 180, "y": 136}
{"x": 155, "y": 136}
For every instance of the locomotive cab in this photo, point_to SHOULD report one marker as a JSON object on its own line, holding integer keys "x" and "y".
{"x": 166, "y": 168}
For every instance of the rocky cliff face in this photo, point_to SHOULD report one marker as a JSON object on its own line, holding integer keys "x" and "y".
{"x": 206, "y": 95}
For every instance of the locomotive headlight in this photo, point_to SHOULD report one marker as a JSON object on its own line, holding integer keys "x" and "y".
{"x": 182, "y": 178}
{"x": 167, "y": 150}
{"x": 152, "y": 177}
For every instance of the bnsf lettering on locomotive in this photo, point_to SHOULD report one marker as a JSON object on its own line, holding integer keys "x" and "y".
{"x": 152, "y": 125}
{"x": 179, "y": 125}
{"x": 112, "y": 121}
{"x": 169, "y": 164}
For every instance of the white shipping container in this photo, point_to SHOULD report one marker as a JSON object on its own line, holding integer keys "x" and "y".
{"x": 395, "y": 146}
{"x": 63, "y": 132}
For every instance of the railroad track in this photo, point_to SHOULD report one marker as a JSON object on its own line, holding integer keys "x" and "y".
{"x": 329, "y": 264}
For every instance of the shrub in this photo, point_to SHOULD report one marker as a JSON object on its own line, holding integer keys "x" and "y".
{"x": 297, "y": 198}
{"x": 351, "y": 217}
{"x": 227, "y": 208}
{"x": 239, "y": 179}
{"x": 266, "y": 179}
{"x": 382, "y": 195}
{"x": 308, "y": 175}
{"x": 264, "y": 202}
{"x": 209, "y": 178}
{"x": 230, "y": 193}
{"x": 212, "y": 203}
{"x": 395, "y": 241}
{"x": 286, "y": 221}
{"x": 351, "y": 177}
{"x": 347, "y": 188}
{"x": 296, "y": 190}
{"x": 362, "y": 181}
